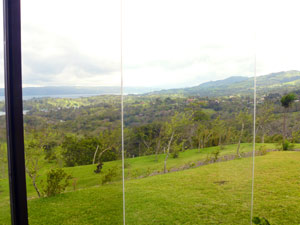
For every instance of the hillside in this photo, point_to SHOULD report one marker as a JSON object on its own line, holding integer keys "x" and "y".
{"x": 203, "y": 195}
{"x": 280, "y": 82}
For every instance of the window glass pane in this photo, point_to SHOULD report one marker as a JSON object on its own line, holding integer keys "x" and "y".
{"x": 71, "y": 80}
{"x": 276, "y": 190}
{"x": 189, "y": 141}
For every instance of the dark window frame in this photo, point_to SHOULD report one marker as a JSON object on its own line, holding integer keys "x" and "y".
{"x": 14, "y": 111}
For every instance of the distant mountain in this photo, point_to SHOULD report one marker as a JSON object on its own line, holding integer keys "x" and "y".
{"x": 77, "y": 91}
{"x": 280, "y": 82}
{"x": 227, "y": 81}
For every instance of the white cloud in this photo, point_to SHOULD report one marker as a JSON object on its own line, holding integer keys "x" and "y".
{"x": 167, "y": 43}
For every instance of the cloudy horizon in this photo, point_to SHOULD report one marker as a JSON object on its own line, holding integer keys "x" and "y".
{"x": 166, "y": 44}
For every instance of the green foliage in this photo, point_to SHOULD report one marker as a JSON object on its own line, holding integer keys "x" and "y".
{"x": 277, "y": 138}
{"x": 79, "y": 151}
{"x": 175, "y": 153}
{"x": 263, "y": 150}
{"x": 296, "y": 136}
{"x": 287, "y": 100}
{"x": 260, "y": 221}
{"x": 215, "y": 155}
{"x": 176, "y": 148}
{"x": 49, "y": 150}
{"x": 286, "y": 145}
{"x": 56, "y": 183}
{"x": 110, "y": 175}
{"x": 200, "y": 116}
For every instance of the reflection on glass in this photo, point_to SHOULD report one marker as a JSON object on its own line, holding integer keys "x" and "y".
{"x": 72, "y": 125}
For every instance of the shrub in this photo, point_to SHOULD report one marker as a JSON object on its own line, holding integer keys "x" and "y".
{"x": 148, "y": 172}
{"x": 286, "y": 145}
{"x": 126, "y": 164}
{"x": 260, "y": 221}
{"x": 110, "y": 175}
{"x": 175, "y": 154}
{"x": 176, "y": 150}
{"x": 192, "y": 164}
{"x": 262, "y": 150}
{"x": 134, "y": 173}
{"x": 215, "y": 155}
{"x": 57, "y": 181}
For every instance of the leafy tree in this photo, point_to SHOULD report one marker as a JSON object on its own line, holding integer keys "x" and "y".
{"x": 286, "y": 102}
{"x": 79, "y": 151}
{"x": 172, "y": 131}
{"x": 108, "y": 141}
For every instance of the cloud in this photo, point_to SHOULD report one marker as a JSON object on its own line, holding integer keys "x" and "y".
{"x": 170, "y": 43}
{"x": 45, "y": 63}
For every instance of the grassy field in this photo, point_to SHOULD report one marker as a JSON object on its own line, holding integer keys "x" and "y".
{"x": 218, "y": 193}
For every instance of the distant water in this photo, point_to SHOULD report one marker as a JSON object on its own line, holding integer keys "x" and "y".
{"x": 28, "y": 97}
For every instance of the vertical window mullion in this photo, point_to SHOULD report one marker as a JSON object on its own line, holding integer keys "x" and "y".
{"x": 14, "y": 111}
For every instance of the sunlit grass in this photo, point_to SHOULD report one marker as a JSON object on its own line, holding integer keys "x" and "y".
{"x": 218, "y": 193}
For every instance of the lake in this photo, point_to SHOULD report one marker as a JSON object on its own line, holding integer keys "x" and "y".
{"x": 28, "y": 97}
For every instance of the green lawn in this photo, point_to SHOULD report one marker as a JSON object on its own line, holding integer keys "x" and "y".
{"x": 218, "y": 193}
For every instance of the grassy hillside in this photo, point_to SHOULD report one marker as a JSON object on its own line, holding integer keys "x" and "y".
{"x": 218, "y": 193}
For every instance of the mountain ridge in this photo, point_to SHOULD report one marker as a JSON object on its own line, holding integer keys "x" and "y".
{"x": 279, "y": 82}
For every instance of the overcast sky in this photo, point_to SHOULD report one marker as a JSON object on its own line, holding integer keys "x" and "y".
{"x": 166, "y": 43}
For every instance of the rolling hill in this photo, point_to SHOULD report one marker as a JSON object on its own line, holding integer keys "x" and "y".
{"x": 280, "y": 82}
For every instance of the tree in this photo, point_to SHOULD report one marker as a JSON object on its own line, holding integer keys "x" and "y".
{"x": 264, "y": 116}
{"x": 172, "y": 131}
{"x": 286, "y": 102}
{"x": 78, "y": 152}
{"x": 108, "y": 141}
{"x": 147, "y": 135}
{"x": 219, "y": 129}
{"x": 242, "y": 119}
{"x": 203, "y": 135}
{"x": 33, "y": 155}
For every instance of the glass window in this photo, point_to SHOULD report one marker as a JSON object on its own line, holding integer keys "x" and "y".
{"x": 71, "y": 80}
{"x": 189, "y": 138}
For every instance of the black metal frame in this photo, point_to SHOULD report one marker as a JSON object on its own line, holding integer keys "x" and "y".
{"x": 14, "y": 111}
